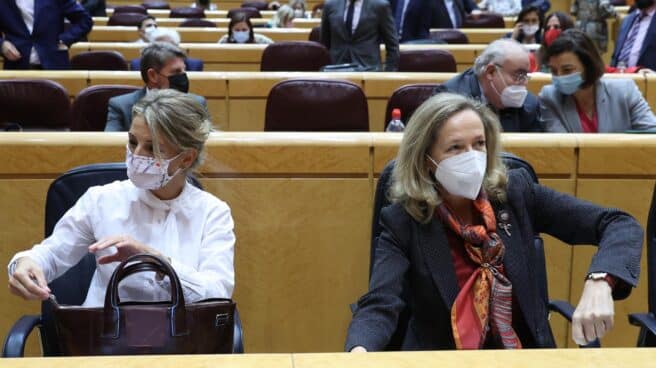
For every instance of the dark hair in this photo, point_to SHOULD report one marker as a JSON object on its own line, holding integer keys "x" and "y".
{"x": 565, "y": 20}
{"x": 575, "y": 41}
{"x": 156, "y": 55}
{"x": 146, "y": 17}
{"x": 530, "y": 9}
{"x": 238, "y": 18}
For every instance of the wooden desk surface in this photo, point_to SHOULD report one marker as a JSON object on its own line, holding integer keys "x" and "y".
{"x": 580, "y": 358}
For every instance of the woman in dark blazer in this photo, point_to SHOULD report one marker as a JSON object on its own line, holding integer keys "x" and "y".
{"x": 456, "y": 251}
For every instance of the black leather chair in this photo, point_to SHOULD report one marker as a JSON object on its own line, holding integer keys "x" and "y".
{"x": 484, "y": 20}
{"x": 450, "y": 36}
{"x": 427, "y": 61}
{"x": 196, "y": 22}
{"x": 71, "y": 288}
{"x": 249, "y": 12}
{"x": 319, "y": 105}
{"x": 259, "y": 5}
{"x": 130, "y": 9}
{"x": 647, "y": 321}
{"x": 187, "y": 12}
{"x": 315, "y": 34}
{"x": 126, "y": 19}
{"x": 156, "y": 5}
{"x": 90, "y": 106}
{"x": 407, "y": 99}
{"x": 294, "y": 56}
{"x": 34, "y": 104}
{"x": 99, "y": 60}
{"x": 381, "y": 201}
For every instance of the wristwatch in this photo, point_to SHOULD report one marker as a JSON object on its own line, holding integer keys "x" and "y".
{"x": 596, "y": 276}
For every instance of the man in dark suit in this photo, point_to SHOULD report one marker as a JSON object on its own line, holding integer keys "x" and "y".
{"x": 636, "y": 41}
{"x": 32, "y": 32}
{"x": 451, "y": 13}
{"x": 353, "y": 29}
{"x": 413, "y": 18}
{"x": 499, "y": 78}
{"x": 162, "y": 66}
{"x": 173, "y": 37}
{"x": 95, "y": 8}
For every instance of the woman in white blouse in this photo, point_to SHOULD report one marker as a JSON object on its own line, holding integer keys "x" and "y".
{"x": 156, "y": 211}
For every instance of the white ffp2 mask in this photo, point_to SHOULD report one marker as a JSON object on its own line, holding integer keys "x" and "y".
{"x": 462, "y": 175}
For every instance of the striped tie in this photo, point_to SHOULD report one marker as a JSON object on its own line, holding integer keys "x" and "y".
{"x": 630, "y": 40}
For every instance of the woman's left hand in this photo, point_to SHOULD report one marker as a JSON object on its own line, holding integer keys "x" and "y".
{"x": 594, "y": 315}
{"x": 125, "y": 247}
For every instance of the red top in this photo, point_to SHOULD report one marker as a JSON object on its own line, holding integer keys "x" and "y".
{"x": 588, "y": 125}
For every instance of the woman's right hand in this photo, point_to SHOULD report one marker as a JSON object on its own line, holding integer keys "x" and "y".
{"x": 28, "y": 280}
{"x": 359, "y": 349}
{"x": 517, "y": 31}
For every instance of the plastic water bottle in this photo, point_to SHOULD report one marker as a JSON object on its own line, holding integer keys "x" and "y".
{"x": 621, "y": 67}
{"x": 395, "y": 125}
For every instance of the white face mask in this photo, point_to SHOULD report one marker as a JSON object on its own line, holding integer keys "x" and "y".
{"x": 511, "y": 96}
{"x": 148, "y": 172}
{"x": 530, "y": 30}
{"x": 462, "y": 175}
{"x": 241, "y": 36}
{"x": 298, "y": 13}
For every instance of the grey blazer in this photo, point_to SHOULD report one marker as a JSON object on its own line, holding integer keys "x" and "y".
{"x": 119, "y": 110}
{"x": 376, "y": 24}
{"x": 620, "y": 106}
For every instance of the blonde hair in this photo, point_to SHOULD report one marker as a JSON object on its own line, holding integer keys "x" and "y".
{"x": 284, "y": 14}
{"x": 412, "y": 183}
{"x": 178, "y": 118}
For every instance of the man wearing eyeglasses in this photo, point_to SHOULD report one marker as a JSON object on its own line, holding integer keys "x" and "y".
{"x": 499, "y": 78}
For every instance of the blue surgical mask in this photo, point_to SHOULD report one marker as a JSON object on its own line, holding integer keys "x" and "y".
{"x": 568, "y": 84}
{"x": 241, "y": 36}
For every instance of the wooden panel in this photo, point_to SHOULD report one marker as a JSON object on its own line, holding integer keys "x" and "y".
{"x": 619, "y": 154}
{"x": 22, "y": 226}
{"x": 588, "y": 358}
{"x": 634, "y": 197}
{"x": 301, "y": 259}
{"x": 558, "y": 257}
{"x": 170, "y": 361}
{"x": 482, "y": 35}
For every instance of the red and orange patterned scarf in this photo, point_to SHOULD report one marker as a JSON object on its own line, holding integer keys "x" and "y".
{"x": 484, "y": 304}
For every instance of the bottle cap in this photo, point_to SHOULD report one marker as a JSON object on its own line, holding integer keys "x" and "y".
{"x": 396, "y": 114}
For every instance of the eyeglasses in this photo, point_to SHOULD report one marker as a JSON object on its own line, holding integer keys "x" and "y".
{"x": 518, "y": 77}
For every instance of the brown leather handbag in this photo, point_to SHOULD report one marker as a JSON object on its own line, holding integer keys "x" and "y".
{"x": 174, "y": 327}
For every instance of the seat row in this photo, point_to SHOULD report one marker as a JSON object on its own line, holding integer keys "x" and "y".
{"x": 237, "y": 100}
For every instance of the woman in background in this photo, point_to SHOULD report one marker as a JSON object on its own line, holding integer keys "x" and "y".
{"x": 240, "y": 30}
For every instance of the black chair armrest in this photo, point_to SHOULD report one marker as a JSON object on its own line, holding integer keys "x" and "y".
{"x": 563, "y": 308}
{"x": 238, "y": 337}
{"x": 567, "y": 310}
{"x": 15, "y": 342}
{"x": 646, "y": 320}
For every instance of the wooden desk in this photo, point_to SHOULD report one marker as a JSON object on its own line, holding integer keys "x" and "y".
{"x": 584, "y": 358}
{"x": 168, "y": 361}
{"x": 222, "y": 13}
{"x": 293, "y": 287}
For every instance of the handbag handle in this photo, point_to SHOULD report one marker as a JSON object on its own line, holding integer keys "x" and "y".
{"x": 145, "y": 262}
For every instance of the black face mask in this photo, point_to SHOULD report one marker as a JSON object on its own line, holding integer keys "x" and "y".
{"x": 643, "y": 4}
{"x": 179, "y": 82}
